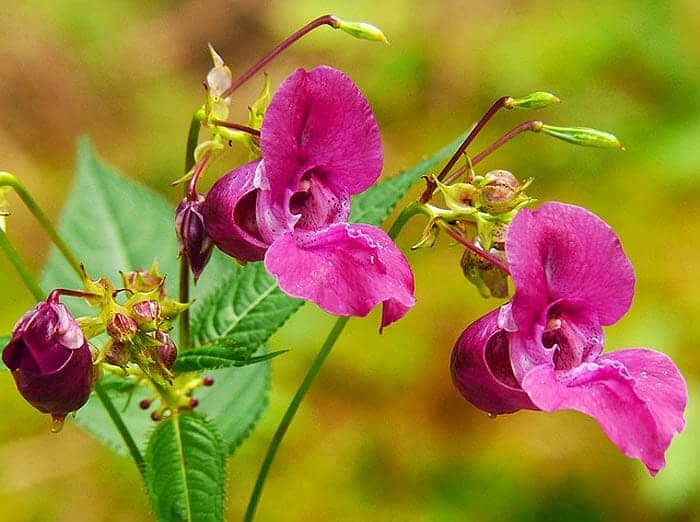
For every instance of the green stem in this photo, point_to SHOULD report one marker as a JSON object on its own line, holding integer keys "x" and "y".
{"x": 121, "y": 427}
{"x": 318, "y": 361}
{"x": 9, "y": 180}
{"x": 20, "y": 266}
{"x": 192, "y": 141}
{"x": 289, "y": 414}
{"x": 407, "y": 213}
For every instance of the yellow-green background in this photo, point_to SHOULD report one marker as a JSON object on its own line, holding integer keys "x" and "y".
{"x": 383, "y": 435}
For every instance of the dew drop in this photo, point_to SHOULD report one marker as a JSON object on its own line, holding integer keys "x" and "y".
{"x": 492, "y": 415}
{"x": 57, "y": 423}
{"x": 643, "y": 375}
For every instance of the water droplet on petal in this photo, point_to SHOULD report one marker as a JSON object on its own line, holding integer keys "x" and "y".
{"x": 57, "y": 423}
{"x": 492, "y": 415}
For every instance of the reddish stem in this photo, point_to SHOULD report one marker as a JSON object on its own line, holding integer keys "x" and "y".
{"x": 478, "y": 251}
{"x": 530, "y": 125}
{"x": 58, "y": 292}
{"x": 497, "y": 106}
{"x": 236, "y": 126}
{"x": 321, "y": 20}
{"x": 198, "y": 169}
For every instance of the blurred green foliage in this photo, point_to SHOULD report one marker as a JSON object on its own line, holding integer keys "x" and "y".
{"x": 383, "y": 435}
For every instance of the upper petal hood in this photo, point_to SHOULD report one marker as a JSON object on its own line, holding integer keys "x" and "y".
{"x": 563, "y": 251}
{"x": 346, "y": 269}
{"x": 318, "y": 120}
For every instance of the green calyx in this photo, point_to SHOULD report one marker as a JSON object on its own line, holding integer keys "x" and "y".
{"x": 583, "y": 136}
{"x": 536, "y": 100}
{"x": 361, "y": 30}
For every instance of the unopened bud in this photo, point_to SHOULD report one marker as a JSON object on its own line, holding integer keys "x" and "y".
{"x": 219, "y": 77}
{"x": 192, "y": 236}
{"x": 50, "y": 359}
{"x": 147, "y": 314}
{"x": 208, "y": 380}
{"x": 193, "y": 402}
{"x": 536, "y": 100}
{"x": 167, "y": 351}
{"x": 488, "y": 279}
{"x": 145, "y": 404}
{"x": 143, "y": 281}
{"x": 360, "y": 30}
{"x": 118, "y": 354}
{"x": 500, "y": 192}
{"x": 156, "y": 416}
{"x": 122, "y": 328}
{"x": 584, "y": 136}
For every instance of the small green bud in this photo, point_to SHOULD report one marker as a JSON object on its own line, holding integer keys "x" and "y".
{"x": 428, "y": 237}
{"x": 459, "y": 197}
{"x": 219, "y": 77}
{"x": 360, "y": 30}
{"x": 584, "y": 136}
{"x": 536, "y": 100}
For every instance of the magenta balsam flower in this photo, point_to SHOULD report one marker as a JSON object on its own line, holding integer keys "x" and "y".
{"x": 571, "y": 278}
{"x": 320, "y": 145}
{"x": 50, "y": 359}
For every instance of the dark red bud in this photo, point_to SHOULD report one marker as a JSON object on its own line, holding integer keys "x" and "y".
{"x": 194, "y": 402}
{"x": 208, "y": 381}
{"x": 50, "y": 359}
{"x": 192, "y": 236}
{"x": 167, "y": 351}
{"x": 145, "y": 404}
{"x": 156, "y": 416}
{"x": 122, "y": 328}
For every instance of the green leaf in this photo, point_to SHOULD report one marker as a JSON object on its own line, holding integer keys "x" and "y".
{"x": 114, "y": 224}
{"x": 185, "y": 470}
{"x": 246, "y": 309}
{"x": 376, "y": 203}
{"x": 219, "y": 355}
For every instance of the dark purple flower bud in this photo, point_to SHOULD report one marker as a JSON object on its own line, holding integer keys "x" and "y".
{"x": 147, "y": 314}
{"x": 230, "y": 215}
{"x": 192, "y": 236}
{"x": 167, "y": 351}
{"x": 122, "y": 328}
{"x": 50, "y": 359}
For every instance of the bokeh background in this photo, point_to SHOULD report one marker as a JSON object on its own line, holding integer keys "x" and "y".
{"x": 383, "y": 435}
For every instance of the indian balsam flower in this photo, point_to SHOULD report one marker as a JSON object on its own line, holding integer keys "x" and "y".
{"x": 320, "y": 145}
{"x": 543, "y": 350}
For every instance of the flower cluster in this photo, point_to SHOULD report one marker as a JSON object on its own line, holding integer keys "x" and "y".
{"x": 542, "y": 351}
{"x": 320, "y": 145}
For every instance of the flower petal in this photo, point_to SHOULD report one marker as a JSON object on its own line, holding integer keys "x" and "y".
{"x": 345, "y": 269}
{"x": 608, "y": 392}
{"x": 563, "y": 251}
{"x": 481, "y": 368}
{"x": 320, "y": 124}
{"x": 229, "y": 215}
{"x": 659, "y": 383}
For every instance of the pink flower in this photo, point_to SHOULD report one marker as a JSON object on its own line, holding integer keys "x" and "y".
{"x": 320, "y": 145}
{"x": 571, "y": 278}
